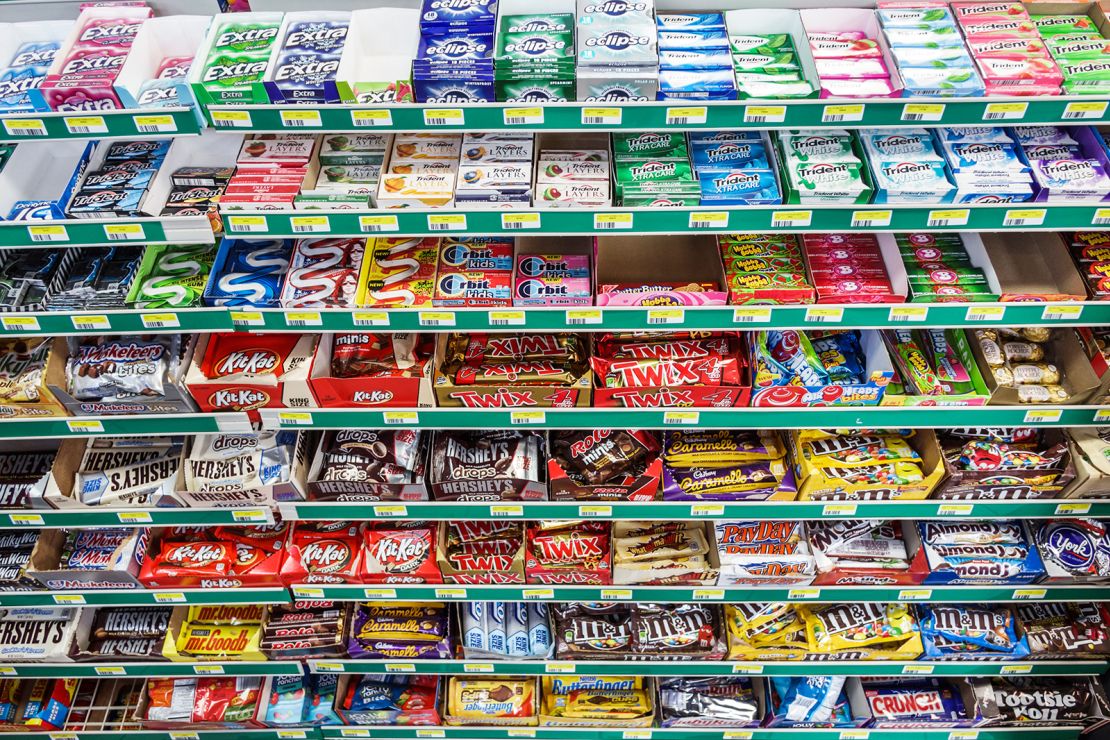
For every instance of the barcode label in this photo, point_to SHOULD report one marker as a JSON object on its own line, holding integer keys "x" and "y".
{"x": 751, "y": 315}
{"x": 871, "y": 219}
{"x": 506, "y": 318}
{"x": 124, "y": 232}
{"x": 515, "y": 221}
{"x": 948, "y": 218}
{"x": 1102, "y": 217}
{"x": 48, "y": 233}
{"x": 610, "y": 221}
{"x": 97, "y": 322}
{"x": 656, "y": 316}
{"x": 25, "y": 127}
{"x": 764, "y": 114}
{"x": 364, "y": 118}
{"x": 444, "y": 117}
{"x": 160, "y": 320}
{"x": 301, "y": 119}
{"x": 1062, "y": 313}
{"x": 923, "y": 112}
{"x": 681, "y": 417}
{"x": 824, "y": 315}
{"x": 842, "y": 113}
{"x": 241, "y": 224}
{"x": 710, "y": 220}
{"x": 791, "y": 219}
{"x": 1085, "y": 110}
{"x": 447, "y": 222}
{"x": 527, "y": 417}
{"x": 370, "y": 318}
{"x": 304, "y": 318}
{"x": 155, "y": 124}
{"x": 908, "y": 313}
{"x": 20, "y": 323}
{"x": 583, "y": 316}
{"x": 377, "y": 224}
{"x": 686, "y": 116}
{"x": 1005, "y": 111}
{"x": 394, "y": 418}
{"x": 231, "y": 118}
{"x": 601, "y": 116}
{"x": 310, "y": 224}
{"x": 1030, "y": 217}
{"x": 523, "y": 116}
{"x": 436, "y": 318}
{"x": 86, "y": 125}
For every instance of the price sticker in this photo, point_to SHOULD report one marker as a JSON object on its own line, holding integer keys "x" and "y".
{"x": 304, "y": 318}
{"x": 26, "y": 127}
{"x": 370, "y": 318}
{"x": 738, "y": 735}
{"x": 537, "y": 594}
{"x": 377, "y": 224}
{"x": 916, "y": 669}
{"x": 85, "y": 426}
{"x": 681, "y": 418}
{"x": 1071, "y": 509}
{"x": 1025, "y": 217}
{"x": 256, "y": 516}
{"x": 391, "y": 511}
{"x": 371, "y": 118}
{"x": 751, "y": 315}
{"x": 708, "y": 220}
{"x": 310, "y": 224}
{"x": 290, "y": 734}
{"x": 963, "y": 735}
{"x": 1102, "y": 415}
{"x": 747, "y": 669}
{"x": 854, "y": 734}
{"x": 952, "y": 217}
{"x": 294, "y": 418}
{"x": 527, "y": 417}
{"x": 636, "y": 735}
{"x": 379, "y": 593}
{"x": 838, "y": 510}
{"x": 308, "y": 592}
{"x": 123, "y": 232}
{"x": 48, "y": 233}
{"x": 80, "y": 125}
{"x": 20, "y": 323}
{"x": 985, "y": 313}
{"x": 842, "y": 113}
{"x": 601, "y": 116}
{"x": 134, "y": 517}
{"x": 616, "y": 594}
{"x": 1016, "y": 670}
{"x": 686, "y": 116}
{"x": 247, "y": 318}
{"x": 400, "y": 667}
{"x": 923, "y": 112}
{"x": 955, "y": 510}
{"x": 518, "y": 221}
{"x": 231, "y": 118}
{"x": 208, "y": 670}
{"x": 915, "y": 594}
{"x": 183, "y": 735}
{"x": 436, "y": 318}
{"x": 583, "y": 316}
{"x": 400, "y": 418}
{"x": 522, "y": 116}
{"x": 561, "y": 668}
{"x": 507, "y": 318}
{"x": 354, "y": 732}
{"x": 444, "y": 117}
{"x": 506, "y": 510}
{"x": 301, "y": 119}
{"x": 91, "y": 322}
{"x": 871, "y": 219}
{"x": 1029, "y": 594}
{"x": 764, "y": 113}
{"x": 1062, "y": 313}
{"x": 820, "y": 315}
{"x": 612, "y": 221}
{"x": 1042, "y": 416}
{"x": 447, "y": 222}
{"x": 110, "y": 670}
{"x": 804, "y": 594}
{"x": 422, "y": 733}
{"x": 791, "y": 219}
{"x": 68, "y": 599}
{"x": 594, "y": 511}
{"x": 708, "y": 594}
{"x": 519, "y": 732}
{"x": 1084, "y": 111}
{"x": 169, "y": 597}
{"x": 1005, "y": 111}
{"x": 450, "y": 593}
{"x": 908, "y": 314}
{"x": 707, "y": 510}
{"x": 62, "y": 735}
{"x": 666, "y": 315}
{"x": 246, "y": 224}
{"x": 155, "y": 124}
{"x": 160, "y": 321}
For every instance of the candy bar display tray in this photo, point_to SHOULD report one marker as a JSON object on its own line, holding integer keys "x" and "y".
{"x": 673, "y": 220}
{"x": 586, "y": 318}
{"x": 670, "y": 115}
{"x": 109, "y": 124}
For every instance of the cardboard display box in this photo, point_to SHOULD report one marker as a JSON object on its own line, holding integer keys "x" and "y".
{"x": 1090, "y": 454}
{"x": 1063, "y": 350}
{"x": 250, "y": 392}
{"x": 879, "y": 369}
{"x": 363, "y": 491}
{"x": 814, "y": 485}
{"x": 45, "y": 565}
{"x": 368, "y": 392}
{"x": 646, "y": 260}
{"x": 970, "y": 484}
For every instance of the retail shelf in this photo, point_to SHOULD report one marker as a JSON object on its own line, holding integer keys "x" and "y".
{"x": 192, "y": 733}
{"x": 712, "y": 668}
{"x": 661, "y": 116}
{"x": 108, "y": 517}
{"x": 142, "y": 597}
{"x": 712, "y": 594}
{"x": 684, "y": 219}
{"x": 701, "y": 317}
{"x": 189, "y": 320}
{"x": 672, "y": 511}
{"x": 84, "y": 232}
{"x": 86, "y": 426}
{"x": 918, "y": 417}
{"x": 104, "y": 124}
{"x": 684, "y": 733}
{"x": 148, "y": 670}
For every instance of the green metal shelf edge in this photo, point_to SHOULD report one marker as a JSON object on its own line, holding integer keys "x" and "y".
{"x": 96, "y": 232}
{"x": 149, "y": 424}
{"x": 107, "y": 517}
{"x": 666, "y": 115}
{"x": 191, "y": 733}
{"x": 212, "y": 319}
{"x": 919, "y": 417}
{"x": 710, "y": 668}
{"x": 703, "y": 733}
{"x": 709, "y": 594}
{"x": 144, "y": 670}
{"x": 142, "y": 597}
{"x": 703, "y": 219}
{"x": 673, "y": 511}
{"x": 106, "y": 124}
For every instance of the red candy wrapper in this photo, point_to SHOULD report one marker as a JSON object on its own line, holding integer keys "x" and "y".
{"x": 323, "y": 552}
{"x": 246, "y": 354}
{"x": 394, "y": 554}
{"x": 712, "y": 370}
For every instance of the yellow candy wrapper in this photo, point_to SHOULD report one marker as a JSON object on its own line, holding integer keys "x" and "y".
{"x": 862, "y": 631}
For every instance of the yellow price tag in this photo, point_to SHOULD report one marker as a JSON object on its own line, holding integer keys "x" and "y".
{"x": 379, "y": 593}
{"x": 1042, "y": 416}
{"x": 64, "y": 599}
{"x": 257, "y": 516}
{"x": 110, "y": 670}
{"x": 955, "y": 509}
{"x": 1072, "y": 509}
{"x": 561, "y": 668}
{"x": 436, "y": 318}
{"x": 708, "y": 594}
{"x": 1025, "y": 217}
{"x": 301, "y": 118}
{"x": 751, "y": 315}
{"x": 612, "y": 221}
{"x": 583, "y": 316}
{"x": 208, "y": 670}
{"x": 123, "y": 232}
{"x": 842, "y": 113}
{"x": 1029, "y": 594}
{"x": 134, "y": 517}
{"x": 371, "y": 118}
{"x": 1005, "y": 111}
{"x": 447, "y": 222}
{"x": 81, "y": 125}
{"x": 764, "y": 113}
{"x": 160, "y": 320}
{"x": 370, "y": 318}
{"x": 791, "y": 219}
{"x": 155, "y": 124}
{"x": 246, "y": 223}
{"x": 747, "y": 669}
{"x": 601, "y": 116}
{"x": 26, "y": 127}
{"x": 444, "y": 117}
{"x": 917, "y": 670}
{"x": 304, "y": 318}
{"x": 686, "y": 116}
{"x": 915, "y": 594}
{"x": 527, "y": 417}
{"x": 400, "y": 667}
{"x": 20, "y": 323}
{"x": 594, "y": 511}
{"x": 85, "y": 426}
{"x": 1062, "y": 313}
{"x": 838, "y": 510}
{"x": 681, "y": 417}
{"x": 908, "y": 313}
{"x": 537, "y": 594}
{"x": 231, "y": 118}
{"x": 819, "y": 315}
{"x": 310, "y": 224}
{"x": 97, "y": 322}
{"x": 1012, "y": 670}
{"x": 506, "y": 318}
{"x": 450, "y": 593}
{"x": 26, "y": 520}
{"x": 666, "y": 315}
{"x": 48, "y": 233}
{"x": 516, "y": 221}
{"x": 985, "y": 313}
{"x": 294, "y": 418}
{"x": 708, "y": 220}
{"x": 506, "y": 510}
{"x": 400, "y": 418}
{"x": 383, "y": 511}
{"x": 522, "y": 116}
{"x": 707, "y": 510}
{"x": 169, "y": 597}
{"x": 871, "y": 219}
{"x": 377, "y": 224}
{"x": 247, "y": 318}
{"x": 1084, "y": 110}
{"x": 616, "y": 594}
{"x": 308, "y": 592}
{"x": 803, "y": 594}
{"x": 922, "y": 111}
